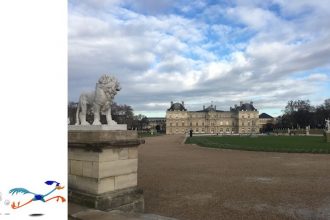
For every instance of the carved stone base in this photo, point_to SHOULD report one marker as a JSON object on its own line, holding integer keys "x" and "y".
{"x": 110, "y": 138}
{"x": 111, "y": 127}
{"x": 103, "y": 169}
{"x": 130, "y": 199}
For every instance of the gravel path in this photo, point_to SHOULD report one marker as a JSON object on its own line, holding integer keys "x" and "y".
{"x": 191, "y": 182}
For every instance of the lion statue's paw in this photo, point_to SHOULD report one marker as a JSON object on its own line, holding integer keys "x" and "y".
{"x": 96, "y": 123}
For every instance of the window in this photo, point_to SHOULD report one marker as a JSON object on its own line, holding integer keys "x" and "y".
{"x": 190, "y": 123}
{"x": 170, "y": 124}
{"x": 196, "y": 123}
{"x": 182, "y": 123}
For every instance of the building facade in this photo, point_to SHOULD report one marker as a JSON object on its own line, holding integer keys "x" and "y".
{"x": 243, "y": 118}
{"x": 157, "y": 123}
{"x": 266, "y": 121}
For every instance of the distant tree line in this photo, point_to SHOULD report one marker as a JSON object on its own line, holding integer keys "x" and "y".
{"x": 122, "y": 114}
{"x": 300, "y": 113}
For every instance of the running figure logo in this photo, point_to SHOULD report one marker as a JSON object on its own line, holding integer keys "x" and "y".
{"x": 37, "y": 197}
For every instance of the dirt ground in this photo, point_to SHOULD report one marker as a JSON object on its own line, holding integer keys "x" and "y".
{"x": 191, "y": 182}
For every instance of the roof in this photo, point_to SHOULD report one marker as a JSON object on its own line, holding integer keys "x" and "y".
{"x": 211, "y": 108}
{"x": 177, "y": 107}
{"x": 264, "y": 115}
{"x": 244, "y": 107}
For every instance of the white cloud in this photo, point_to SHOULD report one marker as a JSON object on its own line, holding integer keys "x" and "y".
{"x": 217, "y": 70}
{"x": 317, "y": 77}
{"x": 256, "y": 18}
{"x": 256, "y": 54}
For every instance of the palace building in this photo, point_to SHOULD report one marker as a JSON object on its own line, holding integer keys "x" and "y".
{"x": 241, "y": 119}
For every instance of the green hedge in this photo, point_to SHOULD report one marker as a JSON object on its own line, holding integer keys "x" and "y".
{"x": 297, "y": 144}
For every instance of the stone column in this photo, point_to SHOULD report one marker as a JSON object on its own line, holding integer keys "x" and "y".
{"x": 103, "y": 170}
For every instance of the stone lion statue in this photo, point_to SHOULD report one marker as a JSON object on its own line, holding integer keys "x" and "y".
{"x": 100, "y": 100}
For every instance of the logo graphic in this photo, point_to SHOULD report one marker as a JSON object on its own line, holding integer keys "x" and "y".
{"x": 37, "y": 197}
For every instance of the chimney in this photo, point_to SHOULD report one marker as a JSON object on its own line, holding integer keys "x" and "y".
{"x": 241, "y": 103}
{"x": 215, "y": 107}
{"x": 251, "y": 103}
{"x": 171, "y": 103}
{"x": 182, "y": 103}
{"x": 235, "y": 106}
{"x": 203, "y": 107}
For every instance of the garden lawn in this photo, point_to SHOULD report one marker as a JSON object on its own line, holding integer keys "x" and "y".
{"x": 298, "y": 144}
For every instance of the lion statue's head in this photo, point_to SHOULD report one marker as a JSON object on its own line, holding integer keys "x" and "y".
{"x": 106, "y": 89}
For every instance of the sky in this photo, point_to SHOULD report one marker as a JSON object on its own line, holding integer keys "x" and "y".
{"x": 201, "y": 52}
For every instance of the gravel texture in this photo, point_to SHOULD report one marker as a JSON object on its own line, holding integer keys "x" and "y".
{"x": 190, "y": 182}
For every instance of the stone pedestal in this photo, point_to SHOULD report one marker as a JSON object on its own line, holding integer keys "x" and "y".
{"x": 113, "y": 127}
{"x": 327, "y": 136}
{"x": 103, "y": 169}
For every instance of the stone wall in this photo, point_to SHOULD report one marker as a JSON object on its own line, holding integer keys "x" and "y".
{"x": 100, "y": 172}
